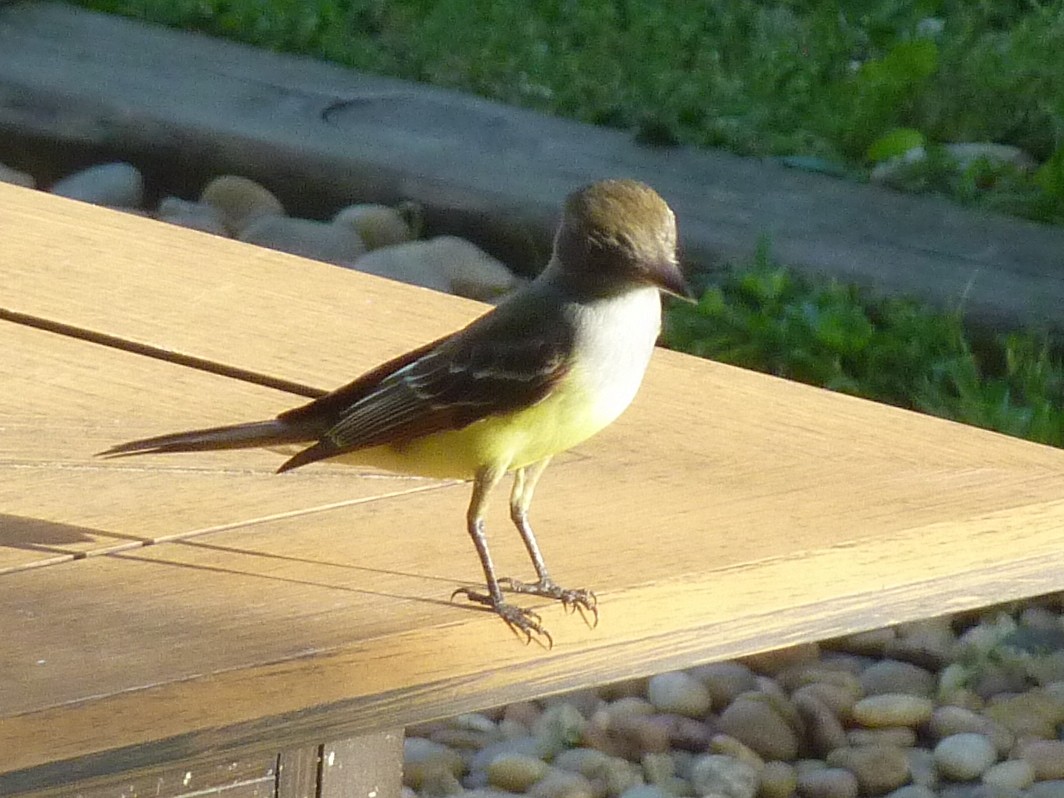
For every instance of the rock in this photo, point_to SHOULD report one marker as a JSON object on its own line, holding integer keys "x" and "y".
{"x": 928, "y": 643}
{"x": 964, "y": 756}
{"x": 947, "y": 720}
{"x": 1046, "y": 789}
{"x": 755, "y": 722}
{"x": 193, "y": 215}
{"x": 892, "y": 676}
{"x": 777, "y": 780}
{"x": 585, "y": 761}
{"x": 526, "y": 713}
{"x": 1015, "y": 774}
{"x": 878, "y": 768}
{"x": 680, "y": 693}
{"x": 626, "y": 728}
{"x": 728, "y": 746}
{"x": 827, "y": 783}
{"x": 871, "y": 644}
{"x": 562, "y": 784}
{"x": 425, "y": 761}
{"x": 716, "y": 775}
{"x": 117, "y": 185}
{"x": 892, "y": 709}
{"x": 686, "y": 734}
{"x": 607, "y": 774}
{"x": 16, "y": 178}
{"x": 898, "y": 736}
{"x": 240, "y": 201}
{"x": 516, "y": 772}
{"x": 824, "y": 731}
{"x": 1046, "y": 758}
{"x": 966, "y": 154}
{"x": 922, "y": 769}
{"x": 658, "y": 768}
{"x": 724, "y": 680}
{"x": 1030, "y": 714}
{"x": 444, "y": 263}
{"x": 836, "y": 697}
{"x": 645, "y": 791}
{"x": 334, "y": 242}
{"x": 912, "y": 791}
{"x": 559, "y": 727}
{"x": 378, "y": 225}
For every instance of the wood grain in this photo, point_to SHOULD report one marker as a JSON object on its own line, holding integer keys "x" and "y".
{"x": 72, "y": 81}
{"x": 726, "y": 513}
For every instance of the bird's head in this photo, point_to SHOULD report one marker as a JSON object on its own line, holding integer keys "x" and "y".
{"x": 620, "y": 233}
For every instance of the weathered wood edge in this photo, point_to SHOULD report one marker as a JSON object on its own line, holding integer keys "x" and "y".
{"x": 185, "y": 106}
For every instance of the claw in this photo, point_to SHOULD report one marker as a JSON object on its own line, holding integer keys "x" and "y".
{"x": 582, "y": 601}
{"x": 520, "y": 620}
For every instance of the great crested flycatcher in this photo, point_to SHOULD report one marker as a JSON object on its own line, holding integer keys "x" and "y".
{"x": 546, "y": 369}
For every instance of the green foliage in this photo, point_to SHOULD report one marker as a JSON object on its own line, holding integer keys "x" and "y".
{"x": 895, "y": 142}
{"x": 892, "y": 351}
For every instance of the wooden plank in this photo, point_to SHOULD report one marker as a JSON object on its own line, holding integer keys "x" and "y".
{"x": 370, "y": 766}
{"x": 481, "y": 168}
{"x": 727, "y": 512}
{"x": 297, "y": 772}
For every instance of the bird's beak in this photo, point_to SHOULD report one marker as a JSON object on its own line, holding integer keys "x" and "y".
{"x": 669, "y": 278}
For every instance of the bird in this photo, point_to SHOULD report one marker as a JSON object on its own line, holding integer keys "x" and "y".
{"x": 550, "y": 366}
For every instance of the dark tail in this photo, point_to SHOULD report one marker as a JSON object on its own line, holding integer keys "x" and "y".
{"x": 234, "y": 436}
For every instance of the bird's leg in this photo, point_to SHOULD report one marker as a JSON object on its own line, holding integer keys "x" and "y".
{"x": 520, "y": 620}
{"x": 584, "y": 601}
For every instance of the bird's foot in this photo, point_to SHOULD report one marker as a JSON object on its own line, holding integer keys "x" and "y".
{"x": 521, "y": 621}
{"x": 583, "y": 601}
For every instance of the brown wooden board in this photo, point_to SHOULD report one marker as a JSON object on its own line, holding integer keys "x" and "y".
{"x": 726, "y": 513}
{"x": 323, "y": 136}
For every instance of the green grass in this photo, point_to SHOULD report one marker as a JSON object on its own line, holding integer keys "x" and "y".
{"x": 833, "y": 86}
{"x": 822, "y": 83}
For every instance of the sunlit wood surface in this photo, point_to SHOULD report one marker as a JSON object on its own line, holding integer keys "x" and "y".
{"x": 163, "y": 607}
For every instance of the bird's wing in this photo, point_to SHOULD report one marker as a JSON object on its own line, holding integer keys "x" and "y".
{"x": 501, "y": 362}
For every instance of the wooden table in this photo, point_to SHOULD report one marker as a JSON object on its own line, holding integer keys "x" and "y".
{"x": 199, "y": 608}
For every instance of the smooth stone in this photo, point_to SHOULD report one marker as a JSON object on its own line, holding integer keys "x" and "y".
{"x": 964, "y": 756}
{"x": 562, "y": 784}
{"x": 1046, "y": 789}
{"x": 898, "y": 736}
{"x": 912, "y": 791}
{"x": 1029, "y": 714}
{"x": 16, "y": 177}
{"x": 516, "y": 772}
{"x": 947, "y": 720}
{"x": 424, "y": 761}
{"x": 728, "y": 746}
{"x": 613, "y": 774}
{"x": 658, "y": 768}
{"x": 892, "y": 676}
{"x": 836, "y": 697}
{"x": 644, "y": 791}
{"x": 892, "y": 709}
{"x": 824, "y": 731}
{"x": 878, "y": 768}
{"x": 896, "y": 170}
{"x": 1013, "y": 774}
{"x": 526, "y": 746}
{"x": 680, "y": 693}
{"x": 524, "y": 713}
{"x": 332, "y": 242}
{"x": 378, "y": 225}
{"x": 717, "y": 775}
{"x": 724, "y": 680}
{"x": 872, "y": 643}
{"x": 117, "y": 185}
{"x": 193, "y": 215}
{"x": 444, "y": 263}
{"x": 777, "y": 780}
{"x": 1046, "y": 758}
{"x": 560, "y": 726}
{"x": 687, "y": 734}
{"x": 755, "y": 722}
{"x": 821, "y": 675}
{"x": 922, "y": 768}
{"x": 928, "y": 643}
{"x": 240, "y": 201}
{"x": 827, "y": 782}
{"x": 770, "y": 663}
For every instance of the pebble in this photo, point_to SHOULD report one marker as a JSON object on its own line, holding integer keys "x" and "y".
{"x": 777, "y": 780}
{"x": 1046, "y": 757}
{"x": 516, "y": 772}
{"x": 729, "y": 746}
{"x": 827, "y": 782}
{"x": 680, "y": 693}
{"x": 336, "y": 241}
{"x": 824, "y": 731}
{"x": 912, "y": 791}
{"x": 117, "y": 185}
{"x": 878, "y": 768}
{"x": 193, "y": 215}
{"x": 645, "y": 791}
{"x": 898, "y": 736}
{"x": 893, "y": 676}
{"x": 444, "y": 263}
{"x": 838, "y": 698}
{"x": 922, "y": 768}
{"x": 929, "y": 643}
{"x": 1046, "y": 789}
{"x": 1027, "y": 714}
{"x": 770, "y": 663}
{"x": 893, "y": 709}
{"x": 424, "y": 760}
{"x": 964, "y": 756}
{"x": 239, "y": 201}
{"x": 717, "y": 775}
{"x": 756, "y": 722}
{"x": 528, "y": 746}
{"x": 725, "y": 681}
{"x": 870, "y": 644}
{"x": 1014, "y": 774}
{"x": 378, "y": 225}
{"x": 562, "y": 784}
{"x": 559, "y": 727}
{"x": 16, "y": 177}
